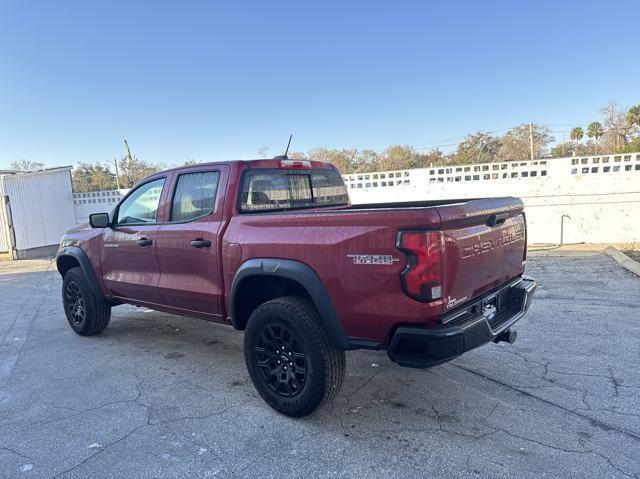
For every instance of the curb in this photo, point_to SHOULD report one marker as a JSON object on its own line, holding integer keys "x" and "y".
{"x": 623, "y": 260}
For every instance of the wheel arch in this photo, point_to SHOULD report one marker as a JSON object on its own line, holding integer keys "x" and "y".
{"x": 73, "y": 257}
{"x": 262, "y": 279}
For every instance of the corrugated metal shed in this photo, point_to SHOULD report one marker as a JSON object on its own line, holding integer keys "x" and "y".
{"x": 41, "y": 204}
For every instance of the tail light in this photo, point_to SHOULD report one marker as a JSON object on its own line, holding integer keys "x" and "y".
{"x": 422, "y": 279}
{"x": 295, "y": 164}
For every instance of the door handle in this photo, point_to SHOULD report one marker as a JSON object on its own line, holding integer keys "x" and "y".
{"x": 200, "y": 243}
{"x": 144, "y": 242}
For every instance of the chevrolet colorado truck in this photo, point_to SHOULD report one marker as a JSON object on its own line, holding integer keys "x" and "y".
{"x": 274, "y": 248}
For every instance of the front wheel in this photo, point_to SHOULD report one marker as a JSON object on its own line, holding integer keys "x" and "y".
{"x": 87, "y": 315}
{"x": 291, "y": 361}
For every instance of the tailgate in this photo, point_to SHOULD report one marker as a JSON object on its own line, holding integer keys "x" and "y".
{"x": 485, "y": 245}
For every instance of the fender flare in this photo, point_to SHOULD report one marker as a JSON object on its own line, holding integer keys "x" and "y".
{"x": 305, "y": 276}
{"x": 83, "y": 260}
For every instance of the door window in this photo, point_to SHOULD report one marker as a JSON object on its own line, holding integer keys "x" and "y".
{"x": 195, "y": 195}
{"x": 141, "y": 206}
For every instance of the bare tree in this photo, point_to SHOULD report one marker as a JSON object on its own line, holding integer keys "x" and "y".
{"x": 25, "y": 165}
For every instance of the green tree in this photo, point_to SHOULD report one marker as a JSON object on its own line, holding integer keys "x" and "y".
{"x": 132, "y": 170}
{"x": 576, "y": 135}
{"x": 516, "y": 143}
{"x": 88, "y": 177}
{"x": 481, "y": 147}
{"x": 633, "y": 116}
{"x": 595, "y": 131}
{"x": 25, "y": 165}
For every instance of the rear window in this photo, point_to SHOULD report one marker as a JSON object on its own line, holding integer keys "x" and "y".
{"x": 265, "y": 190}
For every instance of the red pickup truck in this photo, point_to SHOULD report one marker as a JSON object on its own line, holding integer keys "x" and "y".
{"x": 274, "y": 248}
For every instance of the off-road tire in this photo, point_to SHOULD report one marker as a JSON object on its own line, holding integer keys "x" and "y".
{"x": 87, "y": 315}
{"x": 325, "y": 363}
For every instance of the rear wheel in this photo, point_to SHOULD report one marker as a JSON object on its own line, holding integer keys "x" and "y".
{"x": 86, "y": 314}
{"x": 291, "y": 361}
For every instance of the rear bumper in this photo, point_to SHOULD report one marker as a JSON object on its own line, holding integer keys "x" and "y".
{"x": 464, "y": 329}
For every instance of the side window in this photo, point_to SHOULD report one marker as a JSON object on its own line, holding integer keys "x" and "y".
{"x": 195, "y": 195}
{"x": 141, "y": 206}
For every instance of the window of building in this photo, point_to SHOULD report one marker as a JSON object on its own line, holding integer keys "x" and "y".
{"x": 543, "y": 172}
{"x": 367, "y": 177}
{"x": 606, "y": 169}
{"x": 432, "y": 172}
{"x": 367, "y": 185}
{"x": 596, "y": 160}
{"x": 574, "y": 161}
{"x": 594, "y": 169}
{"x": 504, "y": 166}
{"x": 574, "y": 171}
{"x": 359, "y": 185}
{"x": 459, "y": 170}
{"x": 441, "y": 171}
{"x": 627, "y": 167}
{"x": 495, "y": 167}
{"x": 486, "y": 176}
{"x": 584, "y": 161}
{"x": 585, "y": 170}
{"x": 476, "y": 177}
{"x": 617, "y": 159}
{"x": 525, "y": 174}
{"x": 383, "y": 183}
{"x": 467, "y": 178}
{"x": 476, "y": 168}
{"x": 505, "y": 175}
{"x": 467, "y": 169}
{"x": 383, "y": 176}
{"x": 627, "y": 157}
{"x": 533, "y": 173}
{"x": 398, "y": 174}
{"x": 375, "y": 184}
{"x": 459, "y": 178}
{"x": 440, "y": 180}
{"x": 494, "y": 176}
{"x": 375, "y": 176}
{"x": 616, "y": 168}
{"x": 485, "y": 167}
{"x": 359, "y": 177}
{"x": 637, "y": 168}
{"x": 514, "y": 174}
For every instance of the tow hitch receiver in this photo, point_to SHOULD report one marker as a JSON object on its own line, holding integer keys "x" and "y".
{"x": 508, "y": 336}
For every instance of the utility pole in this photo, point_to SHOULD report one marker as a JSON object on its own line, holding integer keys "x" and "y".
{"x": 531, "y": 138}
{"x": 115, "y": 162}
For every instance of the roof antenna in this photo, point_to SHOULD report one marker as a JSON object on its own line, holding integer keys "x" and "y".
{"x": 284, "y": 157}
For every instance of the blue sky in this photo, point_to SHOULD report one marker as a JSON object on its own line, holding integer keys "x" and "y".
{"x": 217, "y": 80}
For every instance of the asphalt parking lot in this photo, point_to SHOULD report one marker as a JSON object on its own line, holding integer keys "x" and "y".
{"x": 162, "y": 396}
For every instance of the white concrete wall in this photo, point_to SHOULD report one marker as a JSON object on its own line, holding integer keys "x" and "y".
{"x": 604, "y": 207}
{"x": 95, "y": 202}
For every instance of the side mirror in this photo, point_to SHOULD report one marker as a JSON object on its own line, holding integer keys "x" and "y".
{"x": 99, "y": 220}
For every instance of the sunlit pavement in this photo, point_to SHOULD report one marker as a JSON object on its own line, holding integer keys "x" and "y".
{"x": 162, "y": 396}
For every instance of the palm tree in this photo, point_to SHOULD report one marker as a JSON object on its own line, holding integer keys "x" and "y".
{"x": 595, "y": 131}
{"x": 576, "y": 135}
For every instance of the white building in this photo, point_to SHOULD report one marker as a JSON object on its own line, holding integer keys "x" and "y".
{"x": 36, "y": 209}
